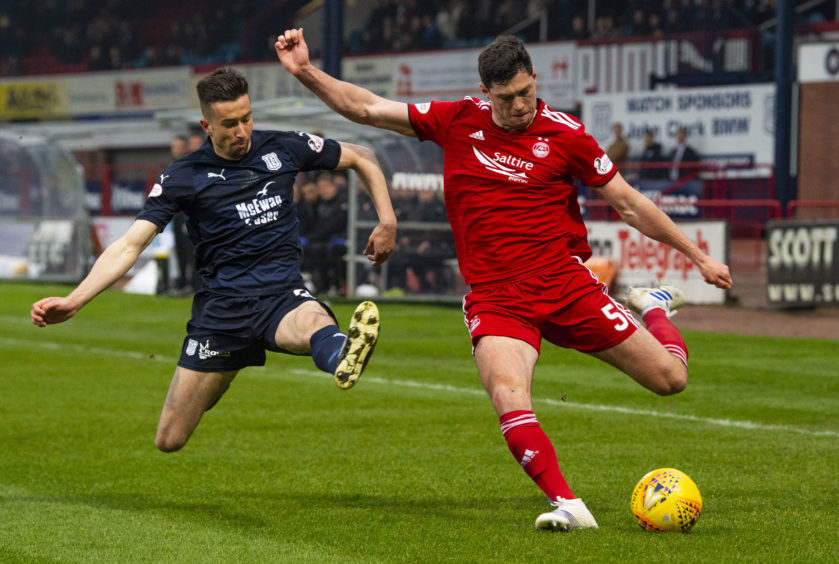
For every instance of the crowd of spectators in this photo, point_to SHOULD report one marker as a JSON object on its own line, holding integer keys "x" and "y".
{"x": 77, "y": 35}
{"x": 421, "y": 261}
{"x": 651, "y": 162}
{"x": 410, "y": 25}
{"x": 322, "y": 211}
{"x": 80, "y": 35}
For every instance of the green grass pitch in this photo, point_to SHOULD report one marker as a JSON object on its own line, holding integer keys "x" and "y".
{"x": 408, "y": 466}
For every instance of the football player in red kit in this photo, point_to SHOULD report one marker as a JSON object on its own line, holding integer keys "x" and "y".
{"x": 510, "y": 164}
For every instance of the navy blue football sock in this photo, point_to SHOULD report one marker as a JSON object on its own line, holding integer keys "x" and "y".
{"x": 326, "y": 343}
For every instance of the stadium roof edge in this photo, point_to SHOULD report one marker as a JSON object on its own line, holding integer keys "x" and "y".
{"x": 310, "y": 115}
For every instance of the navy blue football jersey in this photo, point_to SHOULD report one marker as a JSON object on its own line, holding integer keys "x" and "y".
{"x": 241, "y": 214}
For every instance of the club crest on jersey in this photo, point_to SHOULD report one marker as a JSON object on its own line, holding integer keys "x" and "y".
{"x": 541, "y": 149}
{"x": 301, "y": 293}
{"x": 602, "y": 164}
{"x": 315, "y": 142}
{"x": 272, "y": 161}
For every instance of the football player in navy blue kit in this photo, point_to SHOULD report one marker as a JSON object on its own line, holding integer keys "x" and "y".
{"x": 237, "y": 194}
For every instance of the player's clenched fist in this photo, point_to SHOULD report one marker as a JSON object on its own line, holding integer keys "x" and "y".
{"x": 292, "y": 50}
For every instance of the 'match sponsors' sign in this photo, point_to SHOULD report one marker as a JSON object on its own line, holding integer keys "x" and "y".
{"x": 727, "y": 124}
{"x": 802, "y": 263}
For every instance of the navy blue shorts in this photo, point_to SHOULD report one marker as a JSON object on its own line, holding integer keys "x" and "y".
{"x": 232, "y": 332}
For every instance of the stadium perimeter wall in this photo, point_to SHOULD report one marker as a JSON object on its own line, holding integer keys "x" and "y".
{"x": 818, "y": 167}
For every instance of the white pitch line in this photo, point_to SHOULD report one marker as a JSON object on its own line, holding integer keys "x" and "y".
{"x": 34, "y": 344}
{"x": 694, "y": 418}
{"x": 598, "y": 407}
{"x": 38, "y": 345}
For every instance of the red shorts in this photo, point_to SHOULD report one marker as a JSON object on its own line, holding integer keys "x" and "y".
{"x": 566, "y": 305}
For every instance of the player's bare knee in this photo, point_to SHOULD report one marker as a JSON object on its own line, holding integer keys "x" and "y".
{"x": 500, "y": 394}
{"x": 168, "y": 446}
{"x": 674, "y": 381}
{"x": 505, "y": 398}
{"x": 169, "y": 442}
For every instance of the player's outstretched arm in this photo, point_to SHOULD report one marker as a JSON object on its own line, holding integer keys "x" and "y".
{"x": 353, "y": 102}
{"x": 641, "y": 213}
{"x": 363, "y": 161}
{"x": 111, "y": 265}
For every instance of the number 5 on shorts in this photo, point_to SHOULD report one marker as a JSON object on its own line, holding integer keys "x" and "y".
{"x": 610, "y": 313}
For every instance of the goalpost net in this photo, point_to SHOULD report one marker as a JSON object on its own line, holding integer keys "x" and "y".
{"x": 44, "y": 228}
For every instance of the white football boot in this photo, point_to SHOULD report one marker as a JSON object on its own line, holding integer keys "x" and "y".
{"x": 642, "y": 300}
{"x": 569, "y": 515}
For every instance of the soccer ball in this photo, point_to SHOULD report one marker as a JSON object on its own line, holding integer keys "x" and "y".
{"x": 666, "y": 500}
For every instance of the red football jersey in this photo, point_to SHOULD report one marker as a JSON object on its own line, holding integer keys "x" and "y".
{"x": 510, "y": 195}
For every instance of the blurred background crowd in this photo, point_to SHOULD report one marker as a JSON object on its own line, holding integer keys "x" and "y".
{"x": 53, "y": 36}
{"x": 419, "y": 264}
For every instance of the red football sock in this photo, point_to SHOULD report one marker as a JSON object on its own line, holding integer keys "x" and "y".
{"x": 532, "y": 448}
{"x": 666, "y": 333}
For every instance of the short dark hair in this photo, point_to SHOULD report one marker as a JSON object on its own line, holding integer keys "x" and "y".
{"x": 503, "y": 59}
{"x": 224, "y": 84}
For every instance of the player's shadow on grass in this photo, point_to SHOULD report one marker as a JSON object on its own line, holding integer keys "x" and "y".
{"x": 249, "y": 511}
{"x": 409, "y": 505}
{"x": 223, "y": 507}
